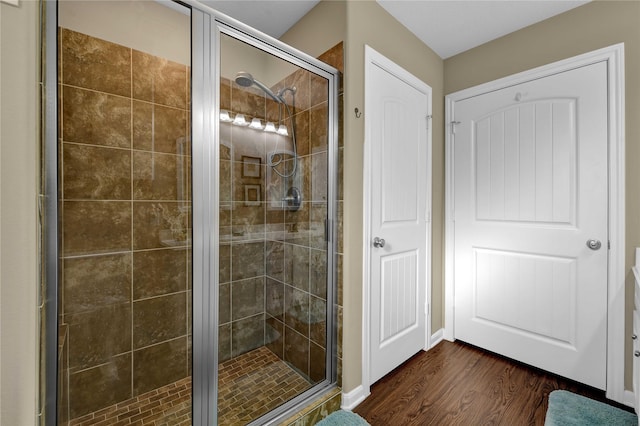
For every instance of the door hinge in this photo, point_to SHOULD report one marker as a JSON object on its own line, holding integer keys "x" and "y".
{"x": 608, "y": 245}
{"x": 428, "y": 120}
{"x": 453, "y": 126}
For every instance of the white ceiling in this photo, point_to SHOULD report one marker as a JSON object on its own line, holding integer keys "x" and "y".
{"x": 273, "y": 17}
{"x": 451, "y": 27}
{"x": 447, "y": 26}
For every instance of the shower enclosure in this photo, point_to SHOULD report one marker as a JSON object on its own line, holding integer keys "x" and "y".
{"x": 191, "y": 275}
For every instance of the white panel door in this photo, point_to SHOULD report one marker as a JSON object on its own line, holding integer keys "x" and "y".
{"x": 398, "y": 134}
{"x": 530, "y": 184}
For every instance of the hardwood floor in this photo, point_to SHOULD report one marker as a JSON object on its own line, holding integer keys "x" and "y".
{"x": 458, "y": 384}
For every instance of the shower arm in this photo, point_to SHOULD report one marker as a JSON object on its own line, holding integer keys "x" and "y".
{"x": 271, "y": 164}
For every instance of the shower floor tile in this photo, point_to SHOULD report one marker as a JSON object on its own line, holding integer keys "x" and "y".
{"x": 249, "y": 386}
{"x": 253, "y": 384}
{"x": 169, "y": 405}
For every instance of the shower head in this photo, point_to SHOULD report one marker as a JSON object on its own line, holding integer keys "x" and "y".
{"x": 245, "y": 79}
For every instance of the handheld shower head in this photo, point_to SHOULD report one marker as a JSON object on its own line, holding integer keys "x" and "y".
{"x": 245, "y": 79}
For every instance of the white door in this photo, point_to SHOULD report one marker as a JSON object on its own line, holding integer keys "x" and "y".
{"x": 397, "y": 120}
{"x": 530, "y": 184}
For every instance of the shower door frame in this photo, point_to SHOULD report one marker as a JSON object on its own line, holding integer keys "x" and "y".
{"x": 206, "y": 27}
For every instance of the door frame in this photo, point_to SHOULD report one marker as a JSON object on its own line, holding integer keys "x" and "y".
{"x": 614, "y": 56}
{"x": 374, "y": 58}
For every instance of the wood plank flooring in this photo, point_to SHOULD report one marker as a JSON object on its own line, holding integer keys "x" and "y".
{"x": 458, "y": 384}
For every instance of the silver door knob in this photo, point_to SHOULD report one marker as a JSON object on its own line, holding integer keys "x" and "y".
{"x": 378, "y": 242}
{"x": 637, "y": 354}
{"x": 594, "y": 244}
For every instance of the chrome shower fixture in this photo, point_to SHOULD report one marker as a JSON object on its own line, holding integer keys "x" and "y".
{"x": 245, "y": 79}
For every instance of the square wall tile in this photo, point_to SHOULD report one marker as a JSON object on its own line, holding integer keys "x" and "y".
{"x": 275, "y": 260}
{"x": 248, "y": 221}
{"x": 95, "y": 118}
{"x": 159, "y": 272}
{"x": 296, "y": 266}
{"x": 274, "y": 336}
{"x": 318, "y": 321}
{"x": 318, "y": 273}
{"x": 159, "y": 319}
{"x": 300, "y": 80}
{"x": 225, "y": 93}
{"x": 94, "y": 282}
{"x": 247, "y": 260}
{"x": 301, "y": 121}
{"x": 159, "y": 128}
{"x": 296, "y": 350}
{"x": 96, "y": 64}
{"x": 274, "y": 304}
{"x": 296, "y": 310}
{"x": 91, "y": 227}
{"x": 224, "y": 342}
{"x": 224, "y": 263}
{"x": 154, "y": 176}
{"x": 159, "y": 365}
{"x": 318, "y": 127}
{"x": 317, "y": 237}
{"x": 317, "y": 363}
{"x": 224, "y": 306}
{"x": 247, "y": 298}
{"x": 334, "y": 57}
{"x": 159, "y": 80}
{"x": 159, "y": 225}
{"x": 96, "y": 173}
{"x": 247, "y": 334}
{"x": 99, "y": 335}
{"x": 319, "y": 89}
{"x": 93, "y": 389}
{"x": 247, "y": 100}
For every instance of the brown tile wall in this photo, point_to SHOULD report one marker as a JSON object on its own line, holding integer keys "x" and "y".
{"x": 125, "y": 266}
{"x": 335, "y": 58}
{"x": 290, "y": 243}
{"x": 125, "y": 204}
{"x": 242, "y": 227}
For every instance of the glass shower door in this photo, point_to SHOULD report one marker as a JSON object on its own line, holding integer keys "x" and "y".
{"x": 273, "y": 299}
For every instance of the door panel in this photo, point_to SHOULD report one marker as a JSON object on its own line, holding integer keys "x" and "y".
{"x": 530, "y": 190}
{"x": 398, "y": 295}
{"x": 398, "y": 132}
{"x": 532, "y": 176}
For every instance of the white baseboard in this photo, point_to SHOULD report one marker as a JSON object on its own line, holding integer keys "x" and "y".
{"x": 351, "y": 400}
{"x": 629, "y": 399}
{"x": 436, "y": 338}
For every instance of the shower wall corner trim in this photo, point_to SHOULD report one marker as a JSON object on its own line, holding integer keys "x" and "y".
{"x": 49, "y": 288}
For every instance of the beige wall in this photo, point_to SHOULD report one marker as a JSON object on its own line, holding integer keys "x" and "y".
{"x": 319, "y": 30}
{"x": 368, "y": 23}
{"x": 18, "y": 222}
{"x": 586, "y": 28}
{"x": 146, "y": 26}
{"x": 358, "y": 23}
{"x": 583, "y": 29}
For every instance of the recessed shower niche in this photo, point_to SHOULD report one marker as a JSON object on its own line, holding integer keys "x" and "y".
{"x": 184, "y": 299}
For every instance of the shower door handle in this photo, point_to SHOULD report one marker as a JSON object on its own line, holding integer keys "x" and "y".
{"x": 378, "y": 242}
